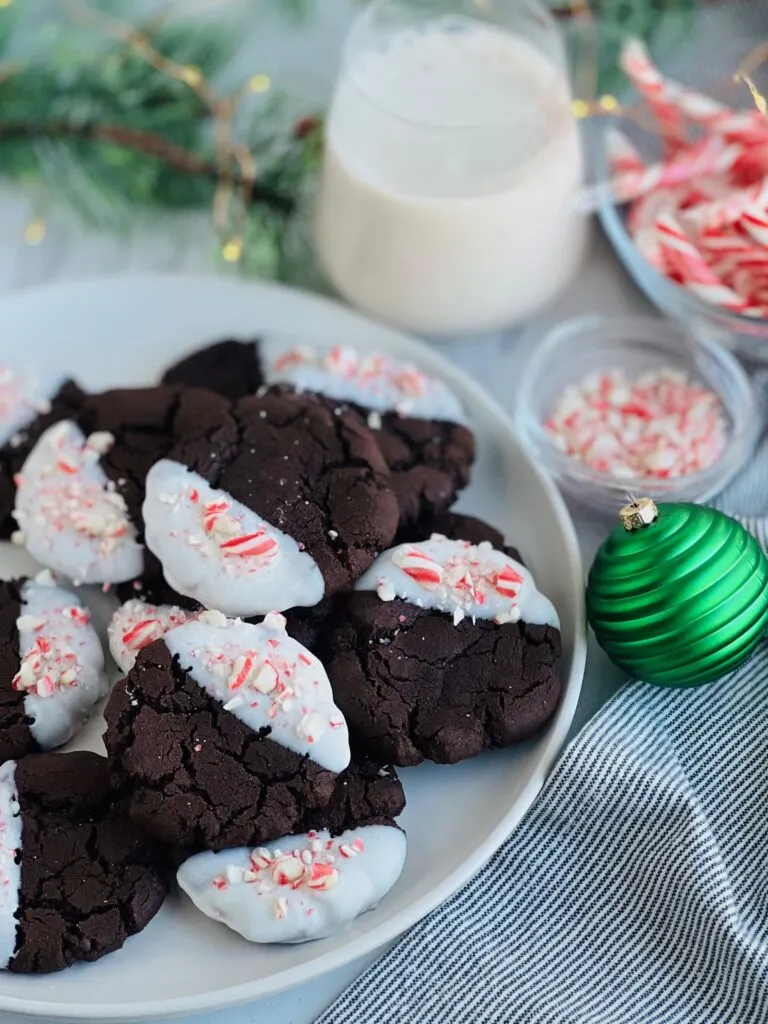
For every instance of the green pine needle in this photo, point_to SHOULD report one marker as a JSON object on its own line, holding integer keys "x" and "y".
{"x": 106, "y": 133}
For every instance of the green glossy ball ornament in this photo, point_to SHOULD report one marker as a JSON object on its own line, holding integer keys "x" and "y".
{"x": 678, "y": 594}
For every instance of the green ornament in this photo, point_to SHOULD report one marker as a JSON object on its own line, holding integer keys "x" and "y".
{"x": 678, "y": 594}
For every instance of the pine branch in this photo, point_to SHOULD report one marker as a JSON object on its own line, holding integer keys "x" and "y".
{"x": 149, "y": 144}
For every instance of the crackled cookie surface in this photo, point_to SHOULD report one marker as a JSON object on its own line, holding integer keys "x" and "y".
{"x": 445, "y": 649}
{"x": 280, "y": 503}
{"x": 418, "y": 421}
{"x": 76, "y": 878}
{"x": 225, "y": 735}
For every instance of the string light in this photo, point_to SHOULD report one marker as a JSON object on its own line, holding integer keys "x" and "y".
{"x": 609, "y": 104}
{"x": 35, "y": 230}
{"x": 580, "y": 109}
{"x": 192, "y": 76}
{"x": 259, "y": 83}
{"x": 222, "y": 109}
{"x": 232, "y": 250}
{"x": 5, "y": 3}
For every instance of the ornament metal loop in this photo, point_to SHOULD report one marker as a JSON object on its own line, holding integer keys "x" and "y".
{"x": 638, "y": 513}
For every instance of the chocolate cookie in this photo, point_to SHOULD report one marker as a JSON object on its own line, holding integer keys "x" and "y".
{"x": 80, "y": 490}
{"x": 279, "y": 503}
{"x": 77, "y": 878}
{"x": 230, "y": 368}
{"x": 444, "y": 650}
{"x": 28, "y": 406}
{"x": 51, "y": 666}
{"x": 365, "y": 793}
{"x": 225, "y": 735}
{"x": 419, "y": 422}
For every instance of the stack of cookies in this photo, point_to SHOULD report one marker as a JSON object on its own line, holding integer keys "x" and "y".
{"x": 300, "y": 614}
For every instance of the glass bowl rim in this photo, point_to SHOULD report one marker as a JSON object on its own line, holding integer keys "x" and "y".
{"x": 741, "y": 410}
{"x": 536, "y": 8}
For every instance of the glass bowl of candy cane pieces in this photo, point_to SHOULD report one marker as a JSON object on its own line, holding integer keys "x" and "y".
{"x": 684, "y": 202}
{"x": 612, "y": 406}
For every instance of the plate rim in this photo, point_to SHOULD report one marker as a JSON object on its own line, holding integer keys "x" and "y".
{"x": 388, "y": 931}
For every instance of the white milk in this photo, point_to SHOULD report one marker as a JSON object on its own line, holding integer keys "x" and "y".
{"x": 447, "y": 196}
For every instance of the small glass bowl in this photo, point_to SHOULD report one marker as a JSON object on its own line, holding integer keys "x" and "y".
{"x": 636, "y": 345}
{"x": 748, "y": 336}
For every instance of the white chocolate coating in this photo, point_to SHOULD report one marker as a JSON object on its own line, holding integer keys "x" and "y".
{"x": 24, "y": 395}
{"x": 10, "y": 871}
{"x": 304, "y": 887}
{"x": 136, "y": 623}
{"x": 267, "y": 680}
{"x": 70, "y": 516}
{"x": 373, "y": 380}
{"x": 460, "y": 579}
{"x": 217, "y": 551}
{"x": 62, "y": 663}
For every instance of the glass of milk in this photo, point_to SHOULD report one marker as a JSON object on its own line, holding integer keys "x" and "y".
{"x": 452, "y": 161}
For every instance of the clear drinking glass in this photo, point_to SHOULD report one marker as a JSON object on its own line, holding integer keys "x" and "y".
{"x": 446, "y": 202}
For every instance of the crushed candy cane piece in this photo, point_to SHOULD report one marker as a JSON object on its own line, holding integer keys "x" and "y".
{"x": 658, "y": 425}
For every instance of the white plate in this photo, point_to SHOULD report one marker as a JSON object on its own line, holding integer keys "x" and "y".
{"x": 122, "y": 331}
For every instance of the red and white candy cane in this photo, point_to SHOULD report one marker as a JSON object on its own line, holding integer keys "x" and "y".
{"x": 623, "y": 157}
{"x": 685, "y": 259}
{"x": 419, "y": 567}
{"x": 755, "y": 221}
{"x": 712, "y": 217}
{"x": 645, "y": 76}
{"x": 737, "y": 125}
{"x": 708, "y": 158}
{"x": 712, "y": 156}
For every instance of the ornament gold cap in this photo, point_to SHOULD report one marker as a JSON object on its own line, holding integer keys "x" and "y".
{"x": 639, "y": 512}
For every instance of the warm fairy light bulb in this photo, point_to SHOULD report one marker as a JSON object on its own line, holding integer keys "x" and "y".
{"x": 232, "y": 250}
{"x": 259, "y": 83}
{"x": 580, "y": 108}
{"x": 608, "y": 103}
{"x": 191, "y": 75}
{"x": 5, "y": 3}
{"x": 34, "y": 232}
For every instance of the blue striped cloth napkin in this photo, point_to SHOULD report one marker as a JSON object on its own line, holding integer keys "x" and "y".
{"x": 636, "y": 889}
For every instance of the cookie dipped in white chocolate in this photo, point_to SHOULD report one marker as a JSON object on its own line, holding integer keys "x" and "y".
{"x": 267, "y": 680}
{"x": 217, "y": 551}
{"x": 373, "y": 380}
{"x": 461, "y": 579}
{"x": 10, "y": 863}
{"x": 302, "y": 887}
{"x": 70, "y": 516}
{"x": 61, "y": 673}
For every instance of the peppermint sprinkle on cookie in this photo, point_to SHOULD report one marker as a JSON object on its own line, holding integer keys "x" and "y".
{"x": 136, "y": 624}
{"x": 71, "y": 516}
{"x": 268, "y": 680}
{"x": 463, "y": 580}
{"x": 373, "y": 380}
